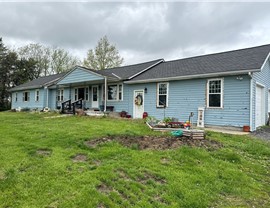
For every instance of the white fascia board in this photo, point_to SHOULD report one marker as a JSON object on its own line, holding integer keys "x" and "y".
{"x": 76, "y": 67}
{"x": 146, "y": 69}
{"x": 193, "y": 76}
{"x": 265, "y": 61}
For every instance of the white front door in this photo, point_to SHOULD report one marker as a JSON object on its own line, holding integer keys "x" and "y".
{"x": 138, "y": 102}
{"x": 95, "y": 96}
{"x": 260, "y": 109}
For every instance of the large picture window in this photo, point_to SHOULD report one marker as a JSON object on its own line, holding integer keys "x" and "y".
{"x": 215, "y": 93}
{"x": 26, "y": 96}
{"x": 115, "y": 92}
{"x": 162, "y": 94}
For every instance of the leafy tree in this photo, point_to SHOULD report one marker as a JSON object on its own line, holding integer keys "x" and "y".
{"x": 24, "y": 71}
{"x": 50, "y": 60}
{"x": 41, "y": 54}
{"x": 62, "y": 61}
{"x": 104, "y": 56}
{"x": 3, "y": 77}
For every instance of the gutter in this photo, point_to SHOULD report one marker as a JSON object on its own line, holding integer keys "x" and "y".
{"x": 193, "y": 76}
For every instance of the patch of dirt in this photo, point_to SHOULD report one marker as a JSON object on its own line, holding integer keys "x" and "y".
{"x": 79, "y": 158}
{"x": 44, "y": 152}
{"x": 262, "y": 133}
{"x": 155, "y": 143}
{"x": 104, "y": 189}
{"x": 149, "y": 176}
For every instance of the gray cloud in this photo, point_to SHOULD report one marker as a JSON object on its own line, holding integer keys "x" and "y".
{"x": 141, "y": 31}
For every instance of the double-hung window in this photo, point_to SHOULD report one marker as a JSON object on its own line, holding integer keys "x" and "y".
{"x": 26, "y": 96}
{"x": 16, "y": 97}
{"x": 37, "y": 95}
{"x": 162, "y": 94}
{"x": 115, "y": 92}
{"x": 215, "y": 93}
{"x": 60, "y": 95}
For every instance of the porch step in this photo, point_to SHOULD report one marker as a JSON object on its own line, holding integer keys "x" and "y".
{"x": 94, "y": 113}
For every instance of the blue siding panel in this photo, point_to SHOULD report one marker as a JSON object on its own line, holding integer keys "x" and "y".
{"x": 80, "y": 75}
{"x": 32, "y": 104}
{"x": 187, "y": 95}
{"x": 262, "y": 78}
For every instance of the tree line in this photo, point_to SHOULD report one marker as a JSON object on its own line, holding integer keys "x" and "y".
{"x": 35, "y": 60}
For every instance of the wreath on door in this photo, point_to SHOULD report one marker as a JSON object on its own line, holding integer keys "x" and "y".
{"x": 138, "y": 100}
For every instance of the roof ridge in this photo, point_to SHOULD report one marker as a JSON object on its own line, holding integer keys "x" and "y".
{"x": 217, "y": 53}
{"x": 133, "y": 64}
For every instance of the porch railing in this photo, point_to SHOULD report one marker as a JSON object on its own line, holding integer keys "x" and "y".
{"x": 66, "y": 106}
{"x": 77, "y": 104}
{"x": 70, "y": 107}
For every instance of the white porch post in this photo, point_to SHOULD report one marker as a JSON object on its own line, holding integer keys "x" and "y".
{"x": 105, "y": 95}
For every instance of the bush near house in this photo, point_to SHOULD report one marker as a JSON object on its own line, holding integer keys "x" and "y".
{"x": 45, "y": 162}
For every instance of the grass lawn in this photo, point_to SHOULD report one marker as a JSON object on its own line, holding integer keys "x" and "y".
{"x": 37, "y": 167}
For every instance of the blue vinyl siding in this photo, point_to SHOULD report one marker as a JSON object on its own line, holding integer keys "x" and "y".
{"x": 32, "y": 104}
{"x": 262, "y": 78}
{"x": 187, "y": 95}
{"x": 79, "y": 76}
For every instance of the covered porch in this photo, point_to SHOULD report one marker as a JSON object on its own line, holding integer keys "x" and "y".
{"x": 82, "y": 89}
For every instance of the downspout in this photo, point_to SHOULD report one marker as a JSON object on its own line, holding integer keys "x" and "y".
{"x": 251, "y": 102}
{"x": 105, "y": 95}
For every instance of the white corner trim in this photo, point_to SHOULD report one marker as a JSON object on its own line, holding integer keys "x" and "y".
{"x": 265, "y": 61}
{"x": 251, "y": 104}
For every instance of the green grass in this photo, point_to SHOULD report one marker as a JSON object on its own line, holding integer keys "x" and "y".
{"x": 236, "y": 175}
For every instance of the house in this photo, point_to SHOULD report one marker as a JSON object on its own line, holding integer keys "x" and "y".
{"x": 228, "y": 88}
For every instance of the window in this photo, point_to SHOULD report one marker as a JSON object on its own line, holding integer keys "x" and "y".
{"x": 76, "y": 94}
{"x": 115, "y": 92}
{"x": 16, "y": 97}
{"x": 86, "y": 97}
{"x": 60, "y": 95}
{"x": 162, "y": 94}
{"x": 26, "y": 96}
{"x": 215, "y": 93}
{"x": 120, "y": 88}
{"x": 81, "y": 93}
{"x": 37, "y": 96}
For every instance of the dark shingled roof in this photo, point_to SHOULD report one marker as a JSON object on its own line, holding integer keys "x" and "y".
{"x": 39, "y": 82}
{"x": 225, "y": 62}
{"x": 124, "y": 72}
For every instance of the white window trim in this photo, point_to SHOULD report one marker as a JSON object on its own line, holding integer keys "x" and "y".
{"x": 77, "y": 89}
{"x": 167, "y": 95}
{"x": 28, "y": 97}
{"x": 221, "y": 92}
{"x": 16, "y": 97}
{"x": 36, "y": 95}
{"x": 61, "y": 95}
{"x": 117, "y": 98}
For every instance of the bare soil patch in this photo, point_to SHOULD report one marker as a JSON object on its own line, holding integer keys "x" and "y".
{"x": 262, "y": 133}
{"x": 155, "y": 143}
{"x": 149, "y": 176}
{"x": 79, "y": 158}
{"x": 104, "y": 189}
{"x": 44, "y": 152}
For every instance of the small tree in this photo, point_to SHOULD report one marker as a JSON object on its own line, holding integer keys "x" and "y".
{"x": 104, "y": 56}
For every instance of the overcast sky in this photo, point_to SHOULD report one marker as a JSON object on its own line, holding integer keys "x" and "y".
{"x": 140, "y": 31}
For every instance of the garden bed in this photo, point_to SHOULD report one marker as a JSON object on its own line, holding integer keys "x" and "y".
{"x": 154, "y": 142}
